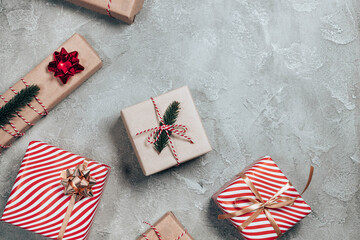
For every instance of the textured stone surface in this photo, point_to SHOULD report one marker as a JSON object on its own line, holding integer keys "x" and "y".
{"x": 278, "y": 78}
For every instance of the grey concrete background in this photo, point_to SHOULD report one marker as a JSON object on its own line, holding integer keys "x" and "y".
{"x": 278, "y": 78}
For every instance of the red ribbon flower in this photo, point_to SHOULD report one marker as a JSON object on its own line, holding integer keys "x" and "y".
{"x": 65, "y": 65}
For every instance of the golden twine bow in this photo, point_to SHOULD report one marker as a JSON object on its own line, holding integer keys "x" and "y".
{"x": 259, "y": 205}
{"x": 78, "y": 183}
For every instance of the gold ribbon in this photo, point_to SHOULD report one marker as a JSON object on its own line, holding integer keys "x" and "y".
{"x": 259, "y": 205}
{"x": 78, "y": 183}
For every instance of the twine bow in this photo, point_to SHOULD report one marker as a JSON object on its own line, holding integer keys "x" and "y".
{"x": 158, "y": 233}
{"x": 78, "y": 183}
{"x": 259, "y": 205}
{"x": 178, "y": 129}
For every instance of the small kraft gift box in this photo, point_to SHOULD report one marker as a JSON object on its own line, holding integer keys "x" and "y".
{"x": 39, "y": 91}
{"x": 166, "y": 228}
{"x": 166, "y": 131}
{"x": 261, "y": 202}
{"x": 124, "y": 10}
{"x": 56, "y": 193}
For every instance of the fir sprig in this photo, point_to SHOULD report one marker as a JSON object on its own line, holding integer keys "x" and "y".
{"x": 19, "y": 101}
{"x": 170, "y": 116}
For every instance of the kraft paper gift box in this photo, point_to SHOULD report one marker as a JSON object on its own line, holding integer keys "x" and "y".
{"x": 266, "y": 178}
{"x": 52, "y": 89}
{"x": 167, "y": 228}
{"x": 143, "y": 116}
{"x": 124, "y": 10}
{"x": 37, "y": 201}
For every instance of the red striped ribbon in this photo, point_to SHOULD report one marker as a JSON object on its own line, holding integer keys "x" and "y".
{"x": 178, "y": 129}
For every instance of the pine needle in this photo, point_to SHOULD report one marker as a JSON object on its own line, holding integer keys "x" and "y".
{"x": 170, "y": 116}
{"x": 19, "y": 101}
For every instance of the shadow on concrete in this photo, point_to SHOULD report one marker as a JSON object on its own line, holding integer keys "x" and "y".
{"x": 126, "y": 162}
{"x": 292, "y": 233}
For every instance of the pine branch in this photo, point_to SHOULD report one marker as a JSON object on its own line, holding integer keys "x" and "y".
{"x": 171, "y": 113}
{"x": 19, "y": 101}
{"x": 170, "y": 116}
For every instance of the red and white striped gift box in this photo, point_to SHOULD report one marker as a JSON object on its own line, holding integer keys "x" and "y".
{"x": 37, "y": 201}
{"x": 268, "y": 179}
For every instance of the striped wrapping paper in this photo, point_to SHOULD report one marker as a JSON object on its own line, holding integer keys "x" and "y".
{"x": 37, "y": 201}
{"x": 268, "y": 179}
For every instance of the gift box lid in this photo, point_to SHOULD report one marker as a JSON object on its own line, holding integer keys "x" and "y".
{"x": 169, "y": 228}
{"x": 52, "y": 90}
{"x": 37, "y": 201}
{"x": 268, "y": 179}
{"x": 124, "y": 10}
{"x": 143, "y": 116}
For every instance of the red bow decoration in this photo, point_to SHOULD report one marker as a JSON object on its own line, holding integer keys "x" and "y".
{"x": 65, "y": 65}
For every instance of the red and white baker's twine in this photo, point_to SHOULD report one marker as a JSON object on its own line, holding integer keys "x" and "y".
{"x": 158, "y": 233}
{"x": 108, "y": 8}
{"x": 17, "y": 132}
{"x": 169, "y": 129}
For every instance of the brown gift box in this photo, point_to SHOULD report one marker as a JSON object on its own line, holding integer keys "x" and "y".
{"x": 169, "y": 228}
{"x": 124, "y": 10}
{"x": 142, "y": 116}
{"x": 52, "y": 90}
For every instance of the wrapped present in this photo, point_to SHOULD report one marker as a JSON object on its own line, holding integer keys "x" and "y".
{"x": 167, "y": 228}
{"x": 261, "y": 202}
{"x": 56, "y": 193}
{"x": 55, "y": 77}
{"x": 124, "y": 10}
{"x": 166, "y": 130}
